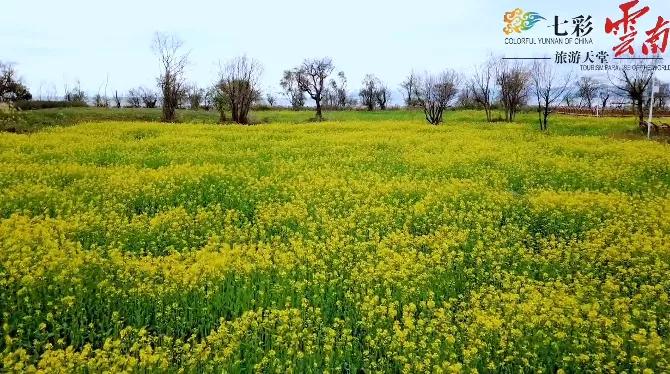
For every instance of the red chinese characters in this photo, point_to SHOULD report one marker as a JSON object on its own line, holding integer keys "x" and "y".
{"x": 625, "y": 26}
{"x": 658, "y": 38}
{"x": 626, "y": 29}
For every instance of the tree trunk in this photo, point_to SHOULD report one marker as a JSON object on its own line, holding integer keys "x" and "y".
{"x": 234, "y": 112}
{"x": 319, "y": 115}
{"x": 244, "y": 114}
{"x": 168, "y": 112}
{"x": 546, "y": 116}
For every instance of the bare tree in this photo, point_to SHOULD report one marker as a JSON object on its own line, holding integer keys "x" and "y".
{"x": 99, "y": 101}
{"x": 549, "y": 88}
{"x": 173, "y": 60}
{"x": 382, "y": 95}
{"x": 339, "y": 88}
{"x": 195, "y": 96}
{"x": 329, "y": 98}
{"x": 312, "y": 75}
{"x": 220, "y": 103}
{"x": 208, "y": 100}
{"x": 52, "y": 93}
{"x": 604, "y": 94}
{"x": 661, "y": 97}
{"x": 465, "y": 98}
{"x": 435, "y": 94}
{"x": 76, "y": 94}
{"x": 368, "y": 92}
{"x": 587, "y": 90}
{"x": 289, "y": 84}
{"x": 513, "y": 82}
{"x": 238, "y": 82}
{"x": 106, "y": 98}
{"x": 569, "y": 98}
{"x": 134, "y": 99}
{"x": 482, "y": 85}
{"x": 117, "y": 99}
{"x": 271, "y": 99}
{"x": 410, "y": 87}
{"x": 634, "y": 84}
{"x": 148, "y": 97}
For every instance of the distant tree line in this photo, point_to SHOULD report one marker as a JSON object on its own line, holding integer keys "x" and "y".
{"x": 495, "y": 86}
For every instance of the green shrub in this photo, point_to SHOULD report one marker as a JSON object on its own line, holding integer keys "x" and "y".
{"x": 43, "y": 104}
{"x": 11, "y": 120}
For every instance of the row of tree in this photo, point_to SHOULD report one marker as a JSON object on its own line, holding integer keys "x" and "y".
{"x": 513, "y": 84}
{"x": 497, "y": 83}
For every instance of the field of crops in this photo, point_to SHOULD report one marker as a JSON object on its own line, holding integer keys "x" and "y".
{"x": 386, "y": 246}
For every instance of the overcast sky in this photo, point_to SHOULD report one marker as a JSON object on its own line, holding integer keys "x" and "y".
{"x": 54, "y": 42}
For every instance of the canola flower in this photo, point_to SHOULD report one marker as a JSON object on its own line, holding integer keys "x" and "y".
{"x": 389, "y": 247}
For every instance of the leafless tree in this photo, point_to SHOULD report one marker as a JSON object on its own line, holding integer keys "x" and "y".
{"x": 482, "y": 86}
{"x": 329, "y": 98}
{"x": 513, "y": 82}
{"x": 661, "y": 97}
{"x": 173, "y": 60}
{"x": 604, "y": 94}
{"x": 148, "y": 97}
{"x": 195, "y": 96}
{"x": 368, "y": 92}
{"x": 382, "y": 95}
{"x": 410, "y": 87}
{"x": 634, "y": 84}
{"x": 66, "y": 90}
{"x": 339, "y": 90}
{"x": 587, "y": 90}
{"x": 549, "y": 87}
{"x": 76, "y": 94}
{"x": 289, "y": 84}
{"x": 238, "y": 81}
{"x": 134, "y": 99}
{"x": 312, "y": 75}
{"x": 208, "y": 100}
{"x": 220, "y": 103}
{"x": 117, "y": 99}
{"x": 435, "y": 94}
{"x": 100, "y": 101}
{"x": 569, "y": 98}
{"x": 52, "y": 93}
{"x": 465, "y": 98}
{"x": 271, "y": 99}
{"x": 105, "y": 95}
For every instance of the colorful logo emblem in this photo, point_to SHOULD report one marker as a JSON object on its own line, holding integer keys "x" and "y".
{"x": 518, "y": 21}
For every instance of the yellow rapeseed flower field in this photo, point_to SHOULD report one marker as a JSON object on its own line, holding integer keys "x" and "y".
{"x": 333, "y": 247}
